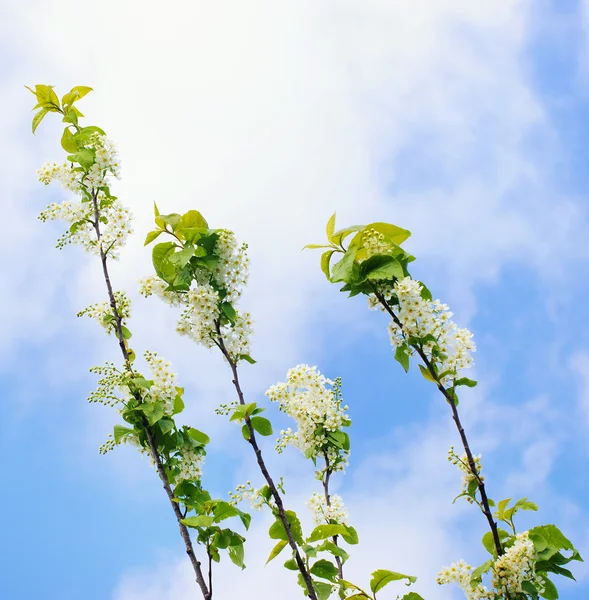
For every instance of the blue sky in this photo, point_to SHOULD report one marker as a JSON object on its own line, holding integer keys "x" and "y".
{"x": 464, "y": 122}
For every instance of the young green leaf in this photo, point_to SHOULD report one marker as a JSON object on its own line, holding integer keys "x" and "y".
{"x": 330, "y": 228}
{"x": 277, "y": 550}
{"x": 262, "y": 425}
{"x": 402, "y": 357}
{"x": 383, "y": 577}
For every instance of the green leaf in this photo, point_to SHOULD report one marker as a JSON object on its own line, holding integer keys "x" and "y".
{"x": 322, "y": 532}
{"x": 278, "y": 532}
{"x": 397, "y": 235}
{"x": 426, "y": 374}
{"x": 550, "y": 592}
{"x": 329, "y": 546}
{"x": 198, "y": 436}
{"x": 325, "y": 259}
{"x": 277, "y": 550}
{"x": 339, "y": 236}
{"x": 262, "y": 425}
{"x": 121, "y": 432}
{"x": 402, "y": 357}
{"x": 198, "y": 521}
{"x": 380, "y": 267}
{"x": 152, "y": 235}
{"x": 477, "y": 574}
{"x": 351, "y": 537}
{"x": 324, "y": 569}
{"x": 324, "y": 590}
{"x": 166, "y": 425}
{"x": 247, "y": 358}
{"x": 192, "y": 219}
{"x": 38, "y": 118}
{"x": 161, "y": 260}
{"x": 236, "y": 554}
{"x": 153, "y": 411}
{"x": 81, "y": 90}
{"x": 172, "y": 220}
{"x": 383, "y": 577}
{"x": 291, "y": 565}
{"x": 465, "y": 381}
{"x": 84, "y": 157}
{"x": 489, "y": 543}
{"x": 223, "y": 510}
{"x": 344, "y": 269}
{"x": 245, "y": 518}
{"x": 125, "y": 333}
{"x": 178, "y": 404}
{"x": 330, "y": 227}
{"x": 412, "y": 596}
{"x": 68, "y": 141}
{"x": 245, "y": 432}
{"x": 228, "y": 311}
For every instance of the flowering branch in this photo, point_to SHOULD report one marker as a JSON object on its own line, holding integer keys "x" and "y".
{"x": 452, "y": 401}
{"x": 148, "y": 405}
{"x": 375, "y": 265}
{"x": 260, "y": 460}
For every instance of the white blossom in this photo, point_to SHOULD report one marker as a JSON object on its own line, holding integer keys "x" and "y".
{"x": 420, "y": 317}
{"x": 316, "y": 410}
{"x": 164, "y": 388}
{"x": 190, "y": 467}
{"x": 335, "y": 513}
{"x": 113, "y": 219}
{"x": 102, "y": 312}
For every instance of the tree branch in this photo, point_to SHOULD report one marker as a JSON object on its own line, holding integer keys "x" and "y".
{"x": 480, "y": 484}
{"x": 207, "y": 594}
{"x": 260, "y": 460}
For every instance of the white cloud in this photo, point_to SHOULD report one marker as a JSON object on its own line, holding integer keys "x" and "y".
{"x": 268, "y": 116}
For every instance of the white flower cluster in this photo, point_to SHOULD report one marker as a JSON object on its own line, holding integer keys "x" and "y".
{"x": 420, "y": 317}
{"x": 237, "y": 339}
{"x": 64, "y": 173}
{"x": 246, "y": 492}
{"x": 102, "y": 310}
{"x": 335, "y": 513}
{"x": 202, "y": 302}
{"x": 316, "y": 409}
{"x": 114, "y": 218}
{"x": 232, "y": 270}
{"x": 509, "y": 572}
{"x": 190, "y": 467}
{"x": 110, "y": 390}
{"x": 106, "y": 163}
{"x": 200, "y": 315}
{"x": 375, "y": 243}
{"x": 515, "y": 566}
{"x": 164, "y": 387}
{"x": 460, "y": 573}
{"x": 467, "y": 474}
{"x": 115, "y": 226}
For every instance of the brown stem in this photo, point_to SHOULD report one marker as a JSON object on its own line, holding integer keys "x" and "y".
{"x": 480, "y": 484}
{"x": 328, "y": 472}
{"x": 207, "y": 594}
{"x": 260, "y": 460}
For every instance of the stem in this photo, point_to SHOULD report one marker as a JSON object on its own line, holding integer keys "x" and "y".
{"x": 273, "y": 489}
{"x": 207, "y": 595}
{"x": 328, "y": 472}
{"x": 210, "y": 567}
{"x": 481, "y": 486}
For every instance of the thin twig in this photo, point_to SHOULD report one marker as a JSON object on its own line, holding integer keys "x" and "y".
{"x": 328, "y": 472}
{"x": 471, "y": 463}
{"x": 273, "y": 489}
{"x": 207, "y": 595}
